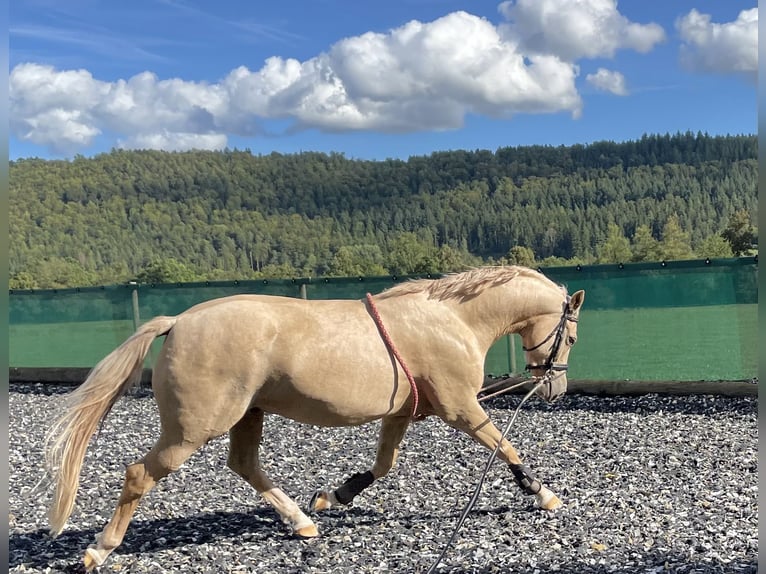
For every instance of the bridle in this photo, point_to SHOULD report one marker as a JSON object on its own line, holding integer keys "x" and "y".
{"x": 557, "y": 335}
{"x": 553, "y": 370}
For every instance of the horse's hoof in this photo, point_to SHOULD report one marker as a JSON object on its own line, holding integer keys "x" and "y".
{"x": 309, "y": 531}
{"x": 320, "y": 501}
{"x": 89, "y": 560}
{"x": 551, "y": 502}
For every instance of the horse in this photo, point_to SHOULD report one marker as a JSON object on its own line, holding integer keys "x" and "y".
{"x": 227, "y": 361}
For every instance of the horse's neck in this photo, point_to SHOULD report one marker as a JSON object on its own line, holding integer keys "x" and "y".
{"x": 504, "y": 309}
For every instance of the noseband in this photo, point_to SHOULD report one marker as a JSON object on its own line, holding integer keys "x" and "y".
{"x": 558, "y": 336}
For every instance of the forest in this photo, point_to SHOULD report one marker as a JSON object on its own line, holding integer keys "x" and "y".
{"x": 155, "y": 216}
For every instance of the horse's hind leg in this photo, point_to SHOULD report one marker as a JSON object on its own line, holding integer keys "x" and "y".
{"x": 245, "y": 439}
{"x": 140, "y": 477}
{"x": 391, "y": 432}
{"x": 474, "y": 421}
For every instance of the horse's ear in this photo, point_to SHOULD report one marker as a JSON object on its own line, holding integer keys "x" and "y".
{"x": 576, "y": 300}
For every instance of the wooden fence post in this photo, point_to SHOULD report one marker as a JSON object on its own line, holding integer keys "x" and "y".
{"x": 136, "y": 314}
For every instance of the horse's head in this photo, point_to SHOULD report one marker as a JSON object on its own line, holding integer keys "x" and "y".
{"x": 547, "y": 341}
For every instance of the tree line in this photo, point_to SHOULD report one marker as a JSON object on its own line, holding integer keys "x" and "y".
{"x": 184, "y": 216}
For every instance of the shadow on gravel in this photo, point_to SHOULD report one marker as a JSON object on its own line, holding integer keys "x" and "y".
{"x": 38, "y": 550}
{"x": 344, "y": 520}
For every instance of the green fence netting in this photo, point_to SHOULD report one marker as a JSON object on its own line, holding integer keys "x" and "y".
{"x": 685, "y": 320}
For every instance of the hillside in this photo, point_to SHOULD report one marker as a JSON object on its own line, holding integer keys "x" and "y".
{"x": 234, "y": 215}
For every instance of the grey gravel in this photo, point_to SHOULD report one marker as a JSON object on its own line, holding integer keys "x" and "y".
{"x": 650, "y": 484}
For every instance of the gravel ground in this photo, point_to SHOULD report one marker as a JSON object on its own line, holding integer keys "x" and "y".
{"x": 650, "y": 484}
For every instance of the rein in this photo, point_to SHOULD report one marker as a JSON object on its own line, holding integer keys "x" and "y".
{"x": 504, "y": 390}
{"x": 392, "y": 348}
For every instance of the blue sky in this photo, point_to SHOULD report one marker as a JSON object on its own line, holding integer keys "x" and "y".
{"x": 373, "y": 80}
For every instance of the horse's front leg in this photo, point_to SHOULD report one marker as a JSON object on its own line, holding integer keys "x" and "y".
{"x": 391, "y": 432}
{"x": 478, "y": 425}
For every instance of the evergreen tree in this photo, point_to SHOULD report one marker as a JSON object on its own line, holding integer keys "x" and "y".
{"x": 645, "y": 247}
{"x": 675, "y": 243}
{"x": 615, "y": 248}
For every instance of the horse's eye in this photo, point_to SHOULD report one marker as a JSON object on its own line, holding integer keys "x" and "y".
{"x": 571, "y": 340}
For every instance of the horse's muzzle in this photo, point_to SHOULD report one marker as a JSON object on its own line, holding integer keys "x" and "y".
{"x": 553, "y": 388}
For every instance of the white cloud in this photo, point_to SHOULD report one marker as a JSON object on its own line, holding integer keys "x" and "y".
{"x": 420, "y": 76}
{"x": 47, "y": 107}
{"x": 66, "y": 110}
{"x": 174, "y": 141}
{"x": 731, "y": 47}
{"x": 609, "y": 81}
{"x": 577, "y": 29}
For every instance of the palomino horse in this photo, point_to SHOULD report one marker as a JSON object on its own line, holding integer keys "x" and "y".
{"x": 226, "y": 362}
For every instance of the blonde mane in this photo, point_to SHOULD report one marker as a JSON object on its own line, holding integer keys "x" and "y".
{"x": 465, "y": 285}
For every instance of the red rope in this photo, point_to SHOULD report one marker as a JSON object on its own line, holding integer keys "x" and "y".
{"x": 390, "y": 345}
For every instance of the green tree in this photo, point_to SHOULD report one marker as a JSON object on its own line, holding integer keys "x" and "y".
{"x": 644, "y": 246}
{"x": 22, "y": 280}
{"x": 521, "y": 255}
{"x": 408, "y": 255}
{"x": 278, "y": 271}
{"x": 675, "y": 243}
{"x": 449, "y": 259}
{"x": 615, "y": 248}
{"x": 553, "y": 261}
{"x": 61, "y": 272}
{"x": 117, "y": 273}
{"x": 740, "y": 232}
{"x": 167, "y": 271}
{"x": 715, "y": 246}
{"x": 357, "y": 261}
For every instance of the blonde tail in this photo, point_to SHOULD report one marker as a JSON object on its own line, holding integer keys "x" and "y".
{"x": 86, "y": 407}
